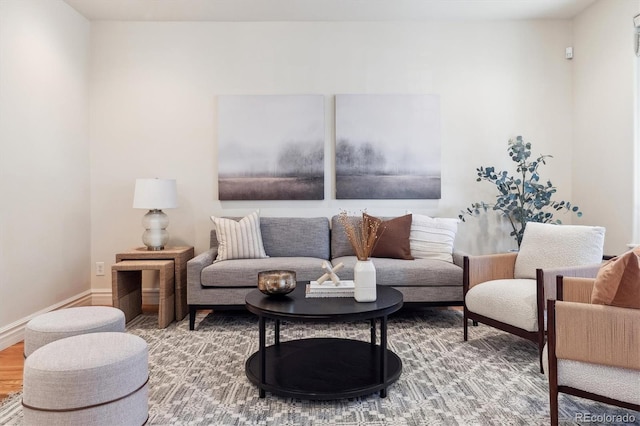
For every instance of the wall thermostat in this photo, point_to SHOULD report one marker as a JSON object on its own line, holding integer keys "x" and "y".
{"x": 568, "y": 53}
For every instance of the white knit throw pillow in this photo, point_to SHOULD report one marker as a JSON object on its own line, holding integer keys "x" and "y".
{"x": 432, "y": 238}
{"x": 548, "y": 246}
{"x": 239, "y": 239}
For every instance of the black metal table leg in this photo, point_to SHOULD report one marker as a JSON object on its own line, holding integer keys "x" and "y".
{"x": 383, "y": 355}
{"x": 263, "y": 357}
{"x": 373, "y": 331}
{"x": 364, "y": 367}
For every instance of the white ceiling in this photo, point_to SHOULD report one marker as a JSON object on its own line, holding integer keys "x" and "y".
{"x": 326, "y": 10}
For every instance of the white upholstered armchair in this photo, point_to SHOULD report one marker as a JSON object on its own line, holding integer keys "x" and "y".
{"x": 508, "y": 291}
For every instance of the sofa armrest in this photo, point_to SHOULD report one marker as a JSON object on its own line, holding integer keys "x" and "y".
{"x": 550, "y": 277}
{"x": 195, "y": 267}
{"x": 458, "y": 257}
{"x": 598, "y": 334}
{"x": 478, "y": 269}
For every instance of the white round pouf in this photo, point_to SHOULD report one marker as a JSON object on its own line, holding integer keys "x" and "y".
{"x": 89, "y": 379}
{"x": 55, "y": 325}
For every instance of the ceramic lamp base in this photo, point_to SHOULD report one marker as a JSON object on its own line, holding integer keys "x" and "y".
{"x": 155, "y": 236}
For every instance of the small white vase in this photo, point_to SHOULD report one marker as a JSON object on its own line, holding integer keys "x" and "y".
{"x": 364, "y": 281}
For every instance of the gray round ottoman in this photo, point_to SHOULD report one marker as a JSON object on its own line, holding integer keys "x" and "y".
{"x": 56, "y": 325}
{"x": 89, "y": 379}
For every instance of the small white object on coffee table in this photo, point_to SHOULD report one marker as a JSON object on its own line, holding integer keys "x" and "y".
{"x": 331, "y": 273}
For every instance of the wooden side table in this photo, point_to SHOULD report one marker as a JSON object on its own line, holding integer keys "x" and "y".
{"x": 180, "y": 257}
{"x": 126, "y": 286}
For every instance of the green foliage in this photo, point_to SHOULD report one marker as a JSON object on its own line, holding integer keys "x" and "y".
{"x": 522, "y": 197}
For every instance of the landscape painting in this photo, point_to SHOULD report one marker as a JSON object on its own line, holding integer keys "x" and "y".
{"x": 388, "y": 147}
{"x": 271, "y": 147}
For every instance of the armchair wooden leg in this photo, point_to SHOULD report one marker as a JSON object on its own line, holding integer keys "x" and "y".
{"x": 540, "y": 349}
{"x": 553, "y": 363}
{"x": 553, "y": 404}
{"x": 475, "y": 323}
{"x": 465, "y": 324}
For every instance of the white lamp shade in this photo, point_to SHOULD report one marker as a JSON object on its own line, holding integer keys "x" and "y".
{"x": 155, "y": 194}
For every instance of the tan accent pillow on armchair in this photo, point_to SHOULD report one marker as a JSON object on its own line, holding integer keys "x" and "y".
{"x": 618, "y": 281}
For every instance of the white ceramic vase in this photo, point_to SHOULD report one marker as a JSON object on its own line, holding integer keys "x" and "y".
{"x": 364, "y": 280}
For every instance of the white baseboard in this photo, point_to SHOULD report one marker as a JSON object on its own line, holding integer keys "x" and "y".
{"x": 150, "y": 296}
{"x": 14, "y": 332}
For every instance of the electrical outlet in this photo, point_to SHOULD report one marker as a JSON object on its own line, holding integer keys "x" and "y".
{"x": 99, "y": 268}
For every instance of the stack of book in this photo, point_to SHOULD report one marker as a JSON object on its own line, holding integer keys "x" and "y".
{"x": 328, "y": 289}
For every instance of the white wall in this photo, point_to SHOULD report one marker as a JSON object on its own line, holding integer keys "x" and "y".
{"x": 67, "y": 203}
{"x": 44, "y": 160}
{"x": 153, "y": 97}
{"x": 604, "y": 89}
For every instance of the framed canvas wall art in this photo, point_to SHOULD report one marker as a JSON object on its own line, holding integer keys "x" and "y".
{"x": 388, "y": 147}
{"x": 271, "y": 147}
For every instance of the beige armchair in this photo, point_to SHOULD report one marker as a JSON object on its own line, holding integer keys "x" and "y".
{"x": 593, "y": 350}
{"x": 508, "y": 291}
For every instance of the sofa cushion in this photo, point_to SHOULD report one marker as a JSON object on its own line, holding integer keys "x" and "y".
{"x": 295, "y": 236}
{"x": 549, "y": 246}
{"x": 340, "y": 245}
{"x": 393, "y": 237}
{"x": 239, "y": 239}
{"x": 618, "y": 281}
{"x": 432, "y": 238}
{"x": 291, "y": 236}
{"x": 512, "y": 301}
{"x": 244, "y": 272}
{"x": 407, "y": 273}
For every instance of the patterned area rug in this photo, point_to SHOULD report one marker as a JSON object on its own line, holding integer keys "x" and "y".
{"x": 197, "y": 377}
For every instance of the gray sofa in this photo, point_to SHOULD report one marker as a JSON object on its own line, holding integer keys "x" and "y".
{"x": 302, "y": 244}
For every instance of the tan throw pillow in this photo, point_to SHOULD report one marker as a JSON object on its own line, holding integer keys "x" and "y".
{"x": 393, "y": 237}
{"x": 239, "y": 239}
{"x": 618, "y": 281}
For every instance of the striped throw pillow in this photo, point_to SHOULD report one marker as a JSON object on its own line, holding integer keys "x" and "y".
{"x": 239, "y": 239}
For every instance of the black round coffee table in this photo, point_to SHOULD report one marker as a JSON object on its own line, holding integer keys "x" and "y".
{"x": 323, "y": 368}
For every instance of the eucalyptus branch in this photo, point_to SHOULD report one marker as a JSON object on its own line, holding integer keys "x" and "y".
{"x": 523, "y": 198}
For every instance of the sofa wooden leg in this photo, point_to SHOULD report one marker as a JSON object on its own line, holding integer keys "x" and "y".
{"x": 192, "y": 317}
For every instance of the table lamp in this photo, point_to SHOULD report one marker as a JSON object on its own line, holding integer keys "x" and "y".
{"x": 155, "y": 195}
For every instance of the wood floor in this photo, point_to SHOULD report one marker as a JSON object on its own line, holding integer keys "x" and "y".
{"x": 11, "y": 365}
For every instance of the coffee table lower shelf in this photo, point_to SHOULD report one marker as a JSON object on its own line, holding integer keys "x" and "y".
{"x": 323, "y": 369}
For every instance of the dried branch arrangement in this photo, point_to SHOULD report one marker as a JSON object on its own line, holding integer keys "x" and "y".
{"x": 363, "y": 234}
